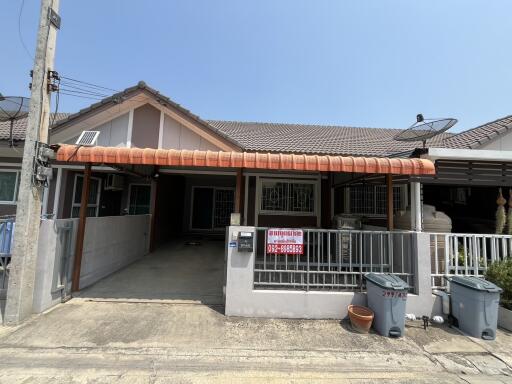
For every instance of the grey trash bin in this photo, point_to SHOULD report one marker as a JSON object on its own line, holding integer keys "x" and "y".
{"x": 474, "y": 303}
{"x": 387, "y": 296}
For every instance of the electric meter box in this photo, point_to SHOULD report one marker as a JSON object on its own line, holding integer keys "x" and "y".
{"x": 245, "y": 241}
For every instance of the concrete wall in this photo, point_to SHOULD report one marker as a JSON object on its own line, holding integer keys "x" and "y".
{"x": 243, "y": 300}
{"x": 177, "y": 136}
{"x": 110, "y": 243}
{"x": 501, "y": 143}
{"x": 114, "y": 132}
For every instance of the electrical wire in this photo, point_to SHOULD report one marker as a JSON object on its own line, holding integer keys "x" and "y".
{"x": 20, "y": 36}
{"x": 89, "y": 84}
{"x": 94, "y": 94}
{"x": 57, "y": 98}
{"x": 83, "y": 97}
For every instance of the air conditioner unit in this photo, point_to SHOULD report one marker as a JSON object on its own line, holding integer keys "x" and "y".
{"x": 114, "y": 182}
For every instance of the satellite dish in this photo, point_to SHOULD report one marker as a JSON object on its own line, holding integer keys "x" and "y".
{"x": 424, "y": 129}
{"x": 13, "y": 108}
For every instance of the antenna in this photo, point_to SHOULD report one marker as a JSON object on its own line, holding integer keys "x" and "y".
{"x": 13, "y": 108}
{"x": 424, "y": 129}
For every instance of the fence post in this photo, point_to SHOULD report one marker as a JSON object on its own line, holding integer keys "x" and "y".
{"x": 422, "y": 264}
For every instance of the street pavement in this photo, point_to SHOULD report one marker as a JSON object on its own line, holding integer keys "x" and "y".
{"x": 94, "y": 341}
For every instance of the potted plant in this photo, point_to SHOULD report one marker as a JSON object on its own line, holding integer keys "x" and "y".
{"x": 500, "y": 273}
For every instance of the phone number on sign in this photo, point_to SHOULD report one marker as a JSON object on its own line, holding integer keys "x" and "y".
{"x": 290, "y": 249}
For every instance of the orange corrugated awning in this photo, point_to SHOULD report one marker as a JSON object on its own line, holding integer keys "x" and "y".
{"x": 219, "y": 159}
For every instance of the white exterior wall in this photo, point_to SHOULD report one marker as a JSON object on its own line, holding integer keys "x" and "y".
{"x": 501, "y": 143}
{"x": 176, "y": 136}
{"x": 114, "y": 132}
{"x": 243, "y": 300}
{"x": 110, "y": 243}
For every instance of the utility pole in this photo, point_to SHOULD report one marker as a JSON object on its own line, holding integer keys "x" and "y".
{"x": 22, "y": 268}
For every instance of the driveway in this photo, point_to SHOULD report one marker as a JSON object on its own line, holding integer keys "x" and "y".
{"x": 118, "y": 342}
{"x": 182, "y": 271}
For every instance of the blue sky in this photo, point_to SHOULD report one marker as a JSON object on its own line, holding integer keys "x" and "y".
{"x": 364, "y": 63}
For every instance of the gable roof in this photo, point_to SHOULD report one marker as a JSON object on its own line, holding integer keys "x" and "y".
{"x": 475, "y": 137}
{"x": 318, "y": 139}
{"x": 20, "y": 126}
{"x": 130, "y": 92}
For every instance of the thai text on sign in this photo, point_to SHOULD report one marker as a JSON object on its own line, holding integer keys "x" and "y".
{"x": 285, "y": 241}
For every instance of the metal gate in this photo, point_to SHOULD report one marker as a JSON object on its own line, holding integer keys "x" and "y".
{"x": 6, "y": 240}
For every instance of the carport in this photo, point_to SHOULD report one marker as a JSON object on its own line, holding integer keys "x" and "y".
{"x": 186, "y": 261}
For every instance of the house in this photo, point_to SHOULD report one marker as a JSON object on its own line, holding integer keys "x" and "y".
{"x": 154, "y": 157}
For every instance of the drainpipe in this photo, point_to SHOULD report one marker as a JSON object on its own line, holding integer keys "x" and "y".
{"x": 79, "y": 246}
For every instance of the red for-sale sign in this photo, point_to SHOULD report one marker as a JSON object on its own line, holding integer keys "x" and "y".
{"x": 285, "y": 241}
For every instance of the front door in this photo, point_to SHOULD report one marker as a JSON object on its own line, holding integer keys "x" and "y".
{"x": 211, "y": 207}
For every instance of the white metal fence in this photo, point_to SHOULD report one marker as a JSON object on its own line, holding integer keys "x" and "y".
{"x": 465, "y": 254}
{"x": 334, "y": 260}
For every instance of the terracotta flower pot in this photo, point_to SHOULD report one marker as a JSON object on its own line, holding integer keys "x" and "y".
{"x": 361, "y": 318}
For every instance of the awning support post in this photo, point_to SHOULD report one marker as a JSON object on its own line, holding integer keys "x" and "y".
{"x": 153, "y": 212}
{"x": 79, "y": 246}
{"x": 416, "y": 219}
{"x": 239, "y": 191}
{"x": 389, "y": 205}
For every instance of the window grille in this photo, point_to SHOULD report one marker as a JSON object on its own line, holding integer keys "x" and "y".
{"x": 224, "y": 203}
{"x": 287, "y": 197}
{"x": 371, "y": 199}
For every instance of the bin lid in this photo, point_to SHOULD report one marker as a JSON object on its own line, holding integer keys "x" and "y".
{"x": 387, "y": 281}
{"x": 475, "y": 283}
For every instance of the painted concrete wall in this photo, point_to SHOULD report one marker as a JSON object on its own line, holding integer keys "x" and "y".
{"x": 243, "y": 300}
{"x": 177, "y": 136}
{"x": 110, "y": 243}
{"x": 501, "y": 143}
{"x": 114, "y": 132}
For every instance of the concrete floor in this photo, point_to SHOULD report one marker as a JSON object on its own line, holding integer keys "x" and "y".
{"x": 85, "y": 341}
{"x": 160, "y": 321}
{"x": 175, "y": 272}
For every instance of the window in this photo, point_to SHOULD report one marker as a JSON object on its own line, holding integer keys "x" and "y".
{"x": 140, "y": 197}
{"x": 371, "y": 199}
{"x": 287, "y": 197}
{"x": 211, "y": 207}
{"x": 94, "y": 196}
{"x": 9, "y": 182}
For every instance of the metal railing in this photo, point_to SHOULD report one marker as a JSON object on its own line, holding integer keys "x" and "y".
{"x": 334, "y": 260}
{"x": 7, "y": 224}
{"x": 465, "y": 254}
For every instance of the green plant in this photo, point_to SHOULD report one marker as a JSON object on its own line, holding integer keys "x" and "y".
{"x": 500, "y": 273}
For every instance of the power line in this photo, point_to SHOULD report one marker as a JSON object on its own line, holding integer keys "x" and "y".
{"x": 84, "y": 92}
{"x": 20, "y": 36}
{"x": 83, "y": 97}
{"x": 90, "y": 84}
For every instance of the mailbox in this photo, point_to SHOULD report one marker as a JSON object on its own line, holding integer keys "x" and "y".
{"x": 245, "y": 241}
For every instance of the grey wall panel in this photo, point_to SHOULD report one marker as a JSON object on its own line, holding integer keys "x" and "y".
{"x": 177, "y": 136}
{"x": 146, "y": 126}
{"x": 171, "y": 134}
